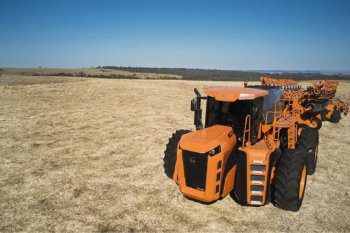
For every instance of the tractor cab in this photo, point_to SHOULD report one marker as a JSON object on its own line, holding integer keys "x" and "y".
{"x": 229, "y": 106}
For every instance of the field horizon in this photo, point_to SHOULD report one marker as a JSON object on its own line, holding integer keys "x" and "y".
{"x": 120, "y": 72}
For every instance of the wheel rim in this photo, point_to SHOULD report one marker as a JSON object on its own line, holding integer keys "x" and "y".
{"x": 314, "y": 124}
{"x": 302, "y": 182}
{"x": 300, "y": 130}
{"x": 272, "y": 172}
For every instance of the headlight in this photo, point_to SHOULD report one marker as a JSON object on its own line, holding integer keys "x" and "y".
{"x": 215, "y": 151}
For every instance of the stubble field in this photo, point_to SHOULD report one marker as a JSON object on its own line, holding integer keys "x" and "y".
{"x": 85, "y": 155}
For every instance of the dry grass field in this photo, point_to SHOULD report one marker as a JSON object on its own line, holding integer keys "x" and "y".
{"x": 85, "y": 155}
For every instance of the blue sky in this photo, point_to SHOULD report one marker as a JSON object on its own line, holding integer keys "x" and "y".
{"x": 241, "y": 35}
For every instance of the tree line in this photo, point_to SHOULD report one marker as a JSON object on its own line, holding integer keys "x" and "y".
{"x": 230, "y": 75}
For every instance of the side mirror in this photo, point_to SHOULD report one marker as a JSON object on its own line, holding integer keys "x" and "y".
{"x": 194, "y": 103}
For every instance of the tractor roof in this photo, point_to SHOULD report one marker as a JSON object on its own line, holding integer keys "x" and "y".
{"x": 231, "y": 94}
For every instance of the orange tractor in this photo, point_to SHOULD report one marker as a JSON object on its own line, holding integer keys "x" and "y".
{"x": 259, "y": 142}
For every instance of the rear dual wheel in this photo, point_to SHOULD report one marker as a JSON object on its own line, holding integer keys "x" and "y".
{"x": 336, "y": 116}
{"x": 308, "y": 142}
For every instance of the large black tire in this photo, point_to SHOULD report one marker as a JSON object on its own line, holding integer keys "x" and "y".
{"x": 171, "y": 151}
{"x": 308, "y": 142}
{"x": 287, "y": 184}
{"x": 323, "y": 115}
{"x": 336, "y": 116}
{"x": 283, "y": 140}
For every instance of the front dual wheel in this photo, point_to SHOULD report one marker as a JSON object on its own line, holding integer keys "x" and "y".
{"x": 170, "y": 153}
{"x": 290, "y": 180}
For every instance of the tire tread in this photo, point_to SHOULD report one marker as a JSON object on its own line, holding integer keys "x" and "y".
{"x": 170, "y": 153}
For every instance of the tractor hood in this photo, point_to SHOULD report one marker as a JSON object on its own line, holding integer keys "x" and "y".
{"x": 204, "y": 140}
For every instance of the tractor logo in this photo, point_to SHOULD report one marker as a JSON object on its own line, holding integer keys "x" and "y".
{"x": 192, "y": 160}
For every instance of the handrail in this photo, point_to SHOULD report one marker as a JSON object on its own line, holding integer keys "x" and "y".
{"x": 277, "y": 115}
{"x": 247, "y": 122}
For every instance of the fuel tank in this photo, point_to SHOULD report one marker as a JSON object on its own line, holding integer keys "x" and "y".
{"x": 205, "y": 169}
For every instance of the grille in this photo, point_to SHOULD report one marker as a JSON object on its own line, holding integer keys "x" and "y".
{"x": 195, "y": 166}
